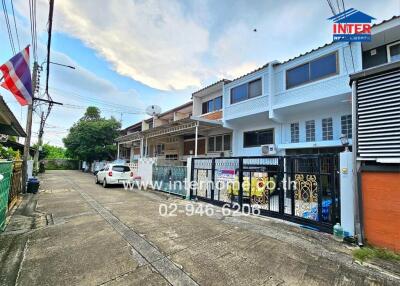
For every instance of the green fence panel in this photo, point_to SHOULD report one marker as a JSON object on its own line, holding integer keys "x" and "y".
{"x": 172, "y": 179}
{"x": 5, "y": 179}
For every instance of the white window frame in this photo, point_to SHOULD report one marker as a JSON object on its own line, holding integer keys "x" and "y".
{"x": 213, "y": 137}
{"x": 388, "y": 50}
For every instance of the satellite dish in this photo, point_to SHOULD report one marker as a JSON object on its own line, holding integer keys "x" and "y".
{"x": 3, "y": 138}
{"x": 153, "y": 110}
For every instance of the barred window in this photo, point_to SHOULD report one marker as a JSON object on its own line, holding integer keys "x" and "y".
{"x": 327, "y": 129}
{"x": 346, "y": 125}
{"x": 310, "y": 130}
{"x": 294, "y": 132}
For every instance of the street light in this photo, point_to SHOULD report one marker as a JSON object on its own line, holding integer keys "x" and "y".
{"x": 58, "y": 64}
{"x": 67, "y": 66}
{"x": 345, "y": 142}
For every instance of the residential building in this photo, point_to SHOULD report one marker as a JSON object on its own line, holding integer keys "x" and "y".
{"x": 208, "y": 105}
{"x": 187, "y": 130}
{"x": 301, "y": 105}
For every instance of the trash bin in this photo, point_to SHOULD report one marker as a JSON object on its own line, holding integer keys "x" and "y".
{"x": 33, "y": 185}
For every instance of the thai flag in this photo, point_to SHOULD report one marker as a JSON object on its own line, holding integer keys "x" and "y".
{"x": 17, "y": 77}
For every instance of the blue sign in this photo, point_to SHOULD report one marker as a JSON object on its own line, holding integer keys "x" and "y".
{"x": 352, "y": 26}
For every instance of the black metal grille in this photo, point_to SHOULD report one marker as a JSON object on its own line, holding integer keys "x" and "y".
{"x": 304, "y": 188}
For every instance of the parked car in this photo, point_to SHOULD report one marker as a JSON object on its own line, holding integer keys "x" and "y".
{"x": 113, "y": 174}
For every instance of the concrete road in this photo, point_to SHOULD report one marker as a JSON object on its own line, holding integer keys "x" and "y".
{"x": 75, "y": 232}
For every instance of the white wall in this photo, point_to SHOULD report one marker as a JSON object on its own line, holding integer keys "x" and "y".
{"x": 252, "y": 123}
{"x": 335, "y": 112}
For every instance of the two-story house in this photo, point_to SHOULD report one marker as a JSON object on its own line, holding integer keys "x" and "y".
{"x": 192, "y": 129}
{"x": 207, "y": 105}
{"x": 301, "y": 105}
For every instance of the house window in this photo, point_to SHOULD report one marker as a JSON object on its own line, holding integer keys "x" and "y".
{"x": 227, "y": 142}
{"x": 346, "y": 125}
{"x": 327, "y": 129}
{"x": 246, "y": 91}
{"x": 151, "y": 124}
{"x": 219, "y": 143}
{"x": 258, "y": 138}
{"x": 171, "y": 157}
{"x": 218, "y": 103}
{"x": 294, "y": 132}
{"x": 310, "y": 130}
{"x": 314, "y": 70}
{"x": 212, "y": 105}
{"x": 393, "y": 52}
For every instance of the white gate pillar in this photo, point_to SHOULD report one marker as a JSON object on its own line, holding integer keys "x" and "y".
{"x": 347, "y": 192}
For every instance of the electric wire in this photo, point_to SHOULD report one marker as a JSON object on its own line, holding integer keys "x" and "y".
{"x": 10, "y": 36}
{"x": 15, "y": 25}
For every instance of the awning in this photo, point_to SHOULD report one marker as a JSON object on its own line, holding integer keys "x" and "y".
{"x": 9, "y": 125}
{"x": 178, "y": 127}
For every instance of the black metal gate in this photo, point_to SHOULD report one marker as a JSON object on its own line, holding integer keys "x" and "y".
{"x": 303, "y": 189}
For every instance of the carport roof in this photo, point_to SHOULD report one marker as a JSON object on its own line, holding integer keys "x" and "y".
{"x": 178, "y": 127}
{"x": 9, "y": 125}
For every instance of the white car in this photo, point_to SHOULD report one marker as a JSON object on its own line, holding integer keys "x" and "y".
{"x": 113, "y": 174}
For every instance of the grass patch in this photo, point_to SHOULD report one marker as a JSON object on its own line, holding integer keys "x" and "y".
{"x": 368, "y": 253}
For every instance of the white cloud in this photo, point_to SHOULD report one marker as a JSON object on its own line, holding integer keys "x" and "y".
{"x": 150, "y": 41}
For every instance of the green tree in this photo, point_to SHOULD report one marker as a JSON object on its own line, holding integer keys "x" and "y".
{"x": 51, "y": 152}
{"x": 92, "y": 137}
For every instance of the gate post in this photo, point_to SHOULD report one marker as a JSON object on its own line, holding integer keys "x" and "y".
{"x": 347, "y": 192}
{"x": 280, "y": 184}
{"x": 241, "y": 182}
{"x": 212, "y": 178}
{"x": 189, "y": 178}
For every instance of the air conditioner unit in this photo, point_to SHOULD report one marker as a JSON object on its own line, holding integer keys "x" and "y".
{"x": 269, "y": 149}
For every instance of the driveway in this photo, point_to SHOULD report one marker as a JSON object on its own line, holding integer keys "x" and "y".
{"x": 75, "y": 232}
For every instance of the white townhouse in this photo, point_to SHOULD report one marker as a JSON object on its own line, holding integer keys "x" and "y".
{"x": 301, "y": 105}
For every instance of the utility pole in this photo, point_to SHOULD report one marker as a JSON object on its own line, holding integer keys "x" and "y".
{"x": 29, "y": 129}
{"x": 39, "y": 143}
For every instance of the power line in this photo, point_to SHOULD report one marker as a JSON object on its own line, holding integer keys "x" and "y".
{"x": 332, "y": 7}
{"x": 73, "y": 106}
{"x": 10, "y": 36}
{"x": 32, "y": 18}
{"x": 96, "y": 100}
{"x": 15, "y": 24}
{"x": 351, "y": 50}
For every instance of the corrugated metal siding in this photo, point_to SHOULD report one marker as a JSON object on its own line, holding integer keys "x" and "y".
{"x": 378, "y": 116}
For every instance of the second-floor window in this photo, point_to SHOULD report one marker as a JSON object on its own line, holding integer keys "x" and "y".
{"x": 393, "y": 52}
{"x": 294, "y": 132}
{"x": 247, "y": 90}
{"x": 212, "y": 105}
{"x": 346, "y": 125}
{"x": 327, "y": 129}
{"x": 317, "y": 69}
{"x": 310, "y": 130}
{"x": 258, "y": 138}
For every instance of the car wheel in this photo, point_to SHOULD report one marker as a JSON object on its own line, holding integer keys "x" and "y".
{"x": 105, "y": 185}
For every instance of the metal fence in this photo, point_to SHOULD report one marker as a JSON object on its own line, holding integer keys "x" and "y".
{"x": 16, "y": 184}
{"x": 5, "y": 179}
{"x": 304, "y": 189}
{"x": 169, "y": 179}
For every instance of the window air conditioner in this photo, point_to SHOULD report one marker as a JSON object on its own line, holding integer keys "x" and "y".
{"x": 268, "y": 149}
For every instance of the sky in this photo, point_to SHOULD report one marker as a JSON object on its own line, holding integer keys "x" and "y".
{"x": 130, "y": 54}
